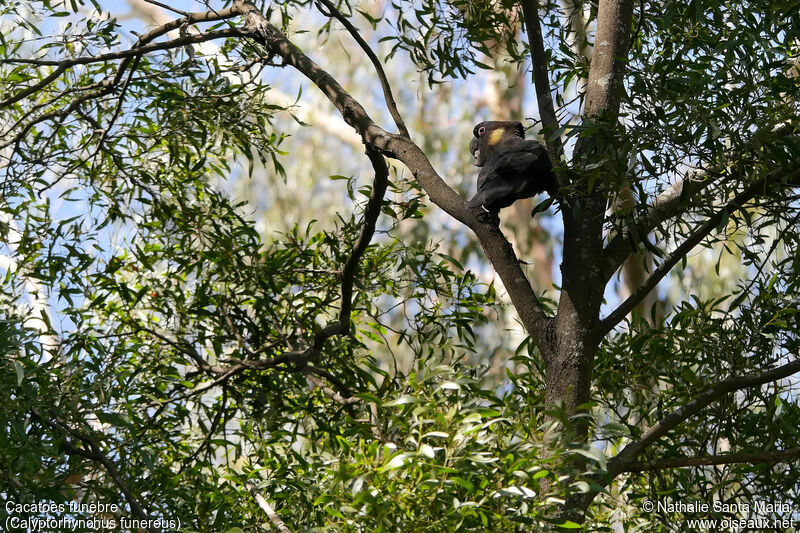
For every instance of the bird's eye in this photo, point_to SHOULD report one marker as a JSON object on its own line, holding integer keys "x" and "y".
{"x": 481, "y": 131}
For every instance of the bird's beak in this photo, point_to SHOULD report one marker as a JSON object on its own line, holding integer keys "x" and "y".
{"x": 475, "y": 150}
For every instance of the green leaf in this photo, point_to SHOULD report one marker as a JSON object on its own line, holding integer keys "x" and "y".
{"x": 20, "y": 371}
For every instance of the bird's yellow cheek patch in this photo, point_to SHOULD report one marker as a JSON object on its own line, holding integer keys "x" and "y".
{"x": 495, "y": 136}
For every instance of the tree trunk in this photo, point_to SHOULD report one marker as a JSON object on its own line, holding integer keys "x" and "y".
{"x": 569, "y": 366}
{"x": 569, "y": 354}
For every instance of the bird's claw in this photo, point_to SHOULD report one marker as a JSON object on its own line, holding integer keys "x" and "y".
{"x": 487, "y": 217}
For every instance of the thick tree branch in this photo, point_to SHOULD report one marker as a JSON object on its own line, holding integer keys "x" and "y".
{"x": 498, "y": 249}
{"x": 606, "y": 71}
{"x": 387, "y": 89}
{"x": 541, "y": 81}
{"x": 610, "y": 57}
{"x": 189, "y": 18}
{"x": 616, "y": 316}
{"x": 569, "y": 366}
{"x": 624, "y": 458}
{"x": 777, "y": 456}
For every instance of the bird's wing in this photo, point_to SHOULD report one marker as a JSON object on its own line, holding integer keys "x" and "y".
{"x": 518, "y": 170}
{"x": 491, "y": 188}
{"x": 527, "y": 160}
{"x": 515, "y": 164}
{"x": 508, "y": 166}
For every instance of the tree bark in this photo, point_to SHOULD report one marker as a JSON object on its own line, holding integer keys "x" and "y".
{"x": 574, "y": 343}
{"x": 569, "y": 365}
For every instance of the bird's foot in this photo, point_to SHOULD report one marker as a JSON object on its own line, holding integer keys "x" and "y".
{"x": 487, "y": 217}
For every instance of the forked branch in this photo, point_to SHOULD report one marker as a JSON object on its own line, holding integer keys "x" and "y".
{"x": 498, "y": 249}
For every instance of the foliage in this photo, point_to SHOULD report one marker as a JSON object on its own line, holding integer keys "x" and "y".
{"x": 158, "y": 350}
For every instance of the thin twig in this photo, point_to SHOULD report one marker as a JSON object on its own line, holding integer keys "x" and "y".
{"x": 638, "y": 24}
{"x": 387, "y": 90}
{"x": 140, "y": 47}
{"x": 232, "y": 328}
{"x": 211, "y": 430}
{"x": 775, "y": 243}
{"x": 167, "y": 7}
{"x": 167, "y": 45}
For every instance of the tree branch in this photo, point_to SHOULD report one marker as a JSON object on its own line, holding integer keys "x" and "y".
{"x": 141, "y": 47}
{"x": 624, "y": 458}
{"x": 387, "y": 90}
{"x": 673, "y": 199}
{"x": 167, "y": 45}
{"x": 329, "y": 392}
{"x": 616, "y": 316}
{"x": 341, "y": 326}
{"x": 215, "y": 424}
{"x": 497, "y": 248}
{"x": 776, "y": 456}
{"x": 167, "y": 7}
{"x": 108, "y": 85}
{"x": 33, "y": 88}
{"x": 267, "y": 508}
{"x": 371, "y": 213}
{"x": 95, "y": 453}
{"x": 541, "y": 80}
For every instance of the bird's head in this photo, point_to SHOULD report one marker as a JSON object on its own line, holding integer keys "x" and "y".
{"x": 488, "y": 135}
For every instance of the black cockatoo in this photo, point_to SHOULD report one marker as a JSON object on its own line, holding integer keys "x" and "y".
{"x": 513, "y": 168}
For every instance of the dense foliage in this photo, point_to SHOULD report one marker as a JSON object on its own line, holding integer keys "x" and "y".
{"x": 162, "y": 352}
